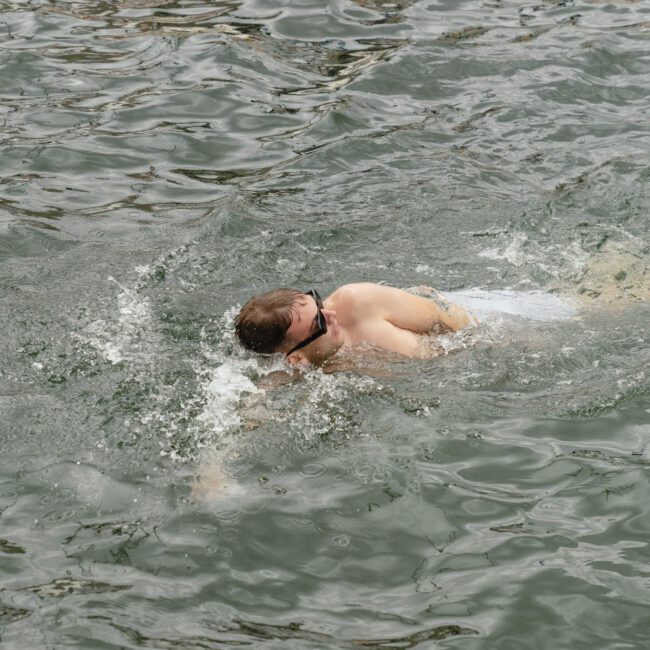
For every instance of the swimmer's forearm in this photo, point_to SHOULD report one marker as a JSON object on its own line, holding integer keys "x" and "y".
{"x": 453, "y": 316}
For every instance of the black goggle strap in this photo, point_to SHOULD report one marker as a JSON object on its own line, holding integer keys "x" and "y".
{"x": 314, "y": 294}
{"x": 307, "y": 341}
{"x": 322, "y": 323}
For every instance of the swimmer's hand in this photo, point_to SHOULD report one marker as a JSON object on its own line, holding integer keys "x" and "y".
{"x": 461, "y": 317}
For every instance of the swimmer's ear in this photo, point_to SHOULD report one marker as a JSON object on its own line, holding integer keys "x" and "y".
{"x": 298, "y": 360}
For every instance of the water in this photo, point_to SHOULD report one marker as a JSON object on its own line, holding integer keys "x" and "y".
{"x": 162, "y": 162}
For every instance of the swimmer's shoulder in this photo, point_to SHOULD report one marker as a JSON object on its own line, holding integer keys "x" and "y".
{"x": 350, "y": 298}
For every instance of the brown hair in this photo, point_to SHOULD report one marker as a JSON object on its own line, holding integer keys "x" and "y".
{"x": 264, "y": 320}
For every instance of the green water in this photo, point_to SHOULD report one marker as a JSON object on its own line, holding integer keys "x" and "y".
{"x": 163, "y": 161}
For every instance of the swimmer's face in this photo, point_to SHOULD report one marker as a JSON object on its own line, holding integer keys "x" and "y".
{"x": 307, "y": 321}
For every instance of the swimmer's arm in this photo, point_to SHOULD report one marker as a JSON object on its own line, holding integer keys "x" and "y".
{"x": 385, "y": 335}
{"x": 410, "y": 312}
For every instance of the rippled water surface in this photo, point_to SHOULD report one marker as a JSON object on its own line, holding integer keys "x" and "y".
{"x": 162, "y": 161}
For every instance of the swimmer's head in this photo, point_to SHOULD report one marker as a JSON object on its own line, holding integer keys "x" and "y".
{"x": 263, "y": 321}
{"x": 289, "y": 322}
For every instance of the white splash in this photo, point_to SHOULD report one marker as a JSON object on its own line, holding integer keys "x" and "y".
{"x": 119, "y": 340}
{"x": 226, "y": 385}
{"x": 425, "y": 269}
{"x": 513, "y": 253}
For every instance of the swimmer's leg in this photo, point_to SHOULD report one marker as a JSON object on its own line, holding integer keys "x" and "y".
{"x": 615, "y": 276}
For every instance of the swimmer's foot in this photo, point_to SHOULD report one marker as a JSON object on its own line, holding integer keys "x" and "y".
{"x": 615, "y": 276}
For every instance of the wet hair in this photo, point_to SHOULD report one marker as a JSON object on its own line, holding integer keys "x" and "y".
{"x": 263, "y": 321}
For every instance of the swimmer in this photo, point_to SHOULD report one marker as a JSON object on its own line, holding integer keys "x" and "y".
{"x": 309, "y": 330}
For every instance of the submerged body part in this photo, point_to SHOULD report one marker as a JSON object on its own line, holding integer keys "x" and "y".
{"x": 615, "y": 276}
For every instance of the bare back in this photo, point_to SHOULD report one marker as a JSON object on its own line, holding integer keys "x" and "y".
{"x": 389, "y": 318}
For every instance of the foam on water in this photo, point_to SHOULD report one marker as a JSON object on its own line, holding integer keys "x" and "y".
{"x": 225, "y": 386}
{"x": 120, "y": 339}
{"x": 513, "y": 252}
{"x": 553, "y": 261}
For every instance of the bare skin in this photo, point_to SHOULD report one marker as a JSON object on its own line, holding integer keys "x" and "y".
{"x": 371, "y": 314}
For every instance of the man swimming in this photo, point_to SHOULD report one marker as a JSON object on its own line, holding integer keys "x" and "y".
{"x": 309, "y": 330}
